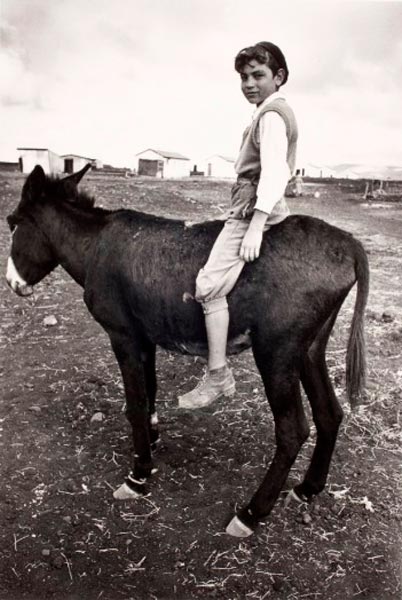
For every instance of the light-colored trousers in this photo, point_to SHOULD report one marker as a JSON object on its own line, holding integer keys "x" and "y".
{"x": 221, "y": 272}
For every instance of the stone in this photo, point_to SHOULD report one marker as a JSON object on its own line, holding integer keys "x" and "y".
{"x": 50, "y": 321}
{"x": 306, "y": 518}
{"x": 97, "y": 417}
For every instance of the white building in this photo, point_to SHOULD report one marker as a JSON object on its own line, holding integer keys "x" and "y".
{"x": 74, "y": 162}
{"x": 218, "y": 165}
{"x": 161, "y": 163}
{"x": 50, "y": 162}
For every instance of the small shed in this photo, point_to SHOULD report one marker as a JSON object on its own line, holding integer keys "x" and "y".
{"x": 218, "y": 165}
{"x": 74, "y": 162}
{"x": 161, "y": 163}
{"x": 50, "y": 162}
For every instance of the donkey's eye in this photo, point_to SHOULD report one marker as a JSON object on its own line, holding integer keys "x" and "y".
{"x": 12, "y": 222}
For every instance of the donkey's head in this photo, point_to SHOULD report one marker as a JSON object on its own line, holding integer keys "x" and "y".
{"x": 31, "y": 255}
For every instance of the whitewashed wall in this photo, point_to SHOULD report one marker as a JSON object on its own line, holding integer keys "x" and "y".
{"x": 175, "y": 167}
{"x": 56, "y": 164}
{"x": 172, "y": 167}
{"x": 79, "y": 162}
{"x": 216, "y": 166}
{"x": 50, "y": 162}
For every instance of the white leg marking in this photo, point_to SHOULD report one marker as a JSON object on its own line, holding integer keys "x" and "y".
{"x": 125, "y": 493}
{"x": 293, "y": 497}
{"x": 238, "y": 529}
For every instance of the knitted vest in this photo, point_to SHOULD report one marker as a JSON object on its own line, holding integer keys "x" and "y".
{"x": 248, "y": 163}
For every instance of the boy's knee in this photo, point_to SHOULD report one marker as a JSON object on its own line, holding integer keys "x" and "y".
{"x": 204, "y": 286}
{"x": 215, "y": 305}
{"x": 205, "y": 291}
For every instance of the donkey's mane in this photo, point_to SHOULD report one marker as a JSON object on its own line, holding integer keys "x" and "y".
{"x": 74, "y": 198}
{"x": 84, "y": 203}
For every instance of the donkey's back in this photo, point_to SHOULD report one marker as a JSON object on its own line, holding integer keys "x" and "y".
{"x": 305, "y": 269}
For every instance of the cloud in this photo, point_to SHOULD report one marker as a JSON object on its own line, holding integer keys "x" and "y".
{"x": 107, "y": 79}
{"x": 17, "y": 85}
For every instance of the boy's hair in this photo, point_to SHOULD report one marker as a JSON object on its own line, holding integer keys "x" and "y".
{"x": 264, "y": 53}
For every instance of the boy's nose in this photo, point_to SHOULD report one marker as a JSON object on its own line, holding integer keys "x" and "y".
{"x": 249, "y": 84}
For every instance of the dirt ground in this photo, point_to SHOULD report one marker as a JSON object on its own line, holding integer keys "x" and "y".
{"x": 62, "y": 536}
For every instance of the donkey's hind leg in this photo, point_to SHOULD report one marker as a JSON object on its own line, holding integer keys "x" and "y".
{"x": 280, "y": 374}
{"x": 326, "y": 410}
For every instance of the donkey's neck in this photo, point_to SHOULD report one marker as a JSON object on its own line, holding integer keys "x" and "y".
{"x": 72, "y": 234}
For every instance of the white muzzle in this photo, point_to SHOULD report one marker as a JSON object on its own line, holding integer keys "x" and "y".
{"x": 15, "y": 281}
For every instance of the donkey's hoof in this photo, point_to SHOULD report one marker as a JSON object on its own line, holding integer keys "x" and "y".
{"x": 124, "y": 492}
{"x": 156, "y": 444}
{"x": 293, "y": 497}
{"x": 238, "y": 529}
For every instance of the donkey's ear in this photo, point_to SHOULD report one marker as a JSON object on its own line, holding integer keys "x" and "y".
{"x": 75, "y": 178}
{"x": 34, "y": 184}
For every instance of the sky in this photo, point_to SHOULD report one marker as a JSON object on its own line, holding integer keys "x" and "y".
{"x": 108, "y": 79}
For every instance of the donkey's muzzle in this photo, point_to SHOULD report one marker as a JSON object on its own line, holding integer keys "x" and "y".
{"x": 20, "y": 289}
{"x": 15, "y": 281}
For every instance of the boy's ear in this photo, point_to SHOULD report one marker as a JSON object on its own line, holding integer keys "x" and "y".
{"x": 280, "y": 76}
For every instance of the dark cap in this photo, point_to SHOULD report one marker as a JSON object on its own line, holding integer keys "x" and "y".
{"x": 278, "y": 55}
{"x": 258, "y": 51}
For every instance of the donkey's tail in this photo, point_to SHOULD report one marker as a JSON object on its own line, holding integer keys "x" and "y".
{"x": 356, "y": 351}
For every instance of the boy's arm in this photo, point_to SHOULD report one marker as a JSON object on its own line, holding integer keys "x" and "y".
{"x": 273, "y": 180}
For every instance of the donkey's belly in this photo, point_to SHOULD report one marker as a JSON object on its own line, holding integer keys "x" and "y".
{"x": 235, "y": 346}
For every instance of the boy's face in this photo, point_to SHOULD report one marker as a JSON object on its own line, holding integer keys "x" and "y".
{"x": 258, "y": 82}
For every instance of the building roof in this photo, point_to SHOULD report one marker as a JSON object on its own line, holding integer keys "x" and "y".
{"x": 76, "y": 156}
{"x": 42, "y": 149}
{"x": 223, "y": 157}
{"x": 165, "y": 154}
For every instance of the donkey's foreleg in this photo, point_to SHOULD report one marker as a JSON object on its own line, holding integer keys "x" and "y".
{"x": 137, "y": 411}
{"x": 148, "y": 359}
{"x": 291, "y": 431}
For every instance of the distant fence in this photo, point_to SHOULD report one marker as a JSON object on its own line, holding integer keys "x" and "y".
{"x": 9, "y": 167}
{"x": 390, "y": 187}
{"x": 112, "y": 171}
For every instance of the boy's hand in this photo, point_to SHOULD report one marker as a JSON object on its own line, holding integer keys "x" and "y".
{"x": 250, "y": 248}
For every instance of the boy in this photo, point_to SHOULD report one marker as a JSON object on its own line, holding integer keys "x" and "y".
{"x": 265, "y": 163}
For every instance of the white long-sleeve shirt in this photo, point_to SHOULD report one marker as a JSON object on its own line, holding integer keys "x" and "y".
{"x": 275, "y": 172}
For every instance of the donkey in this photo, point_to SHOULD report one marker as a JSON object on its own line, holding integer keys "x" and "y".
{"x": 138, "y": 272}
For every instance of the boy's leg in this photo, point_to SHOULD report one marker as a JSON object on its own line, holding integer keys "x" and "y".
{"x": 214, "y": 282}
{"x": 218, "y": 380}
{"x": 217, "y": 325}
